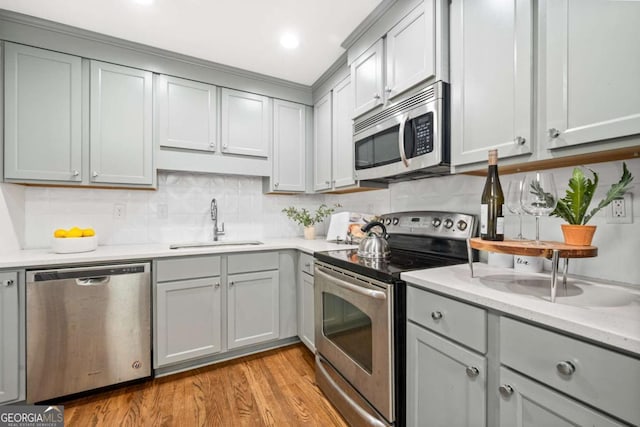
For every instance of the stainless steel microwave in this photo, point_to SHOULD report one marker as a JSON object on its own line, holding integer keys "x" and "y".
{"x": 406, "y": 140}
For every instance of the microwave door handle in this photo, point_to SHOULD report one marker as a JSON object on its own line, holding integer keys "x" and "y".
{"x": 403, "y": 155}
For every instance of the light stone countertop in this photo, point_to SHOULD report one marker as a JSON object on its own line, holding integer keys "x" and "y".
{"x": 603, "y": 312}
{"x": 46, "y": 257}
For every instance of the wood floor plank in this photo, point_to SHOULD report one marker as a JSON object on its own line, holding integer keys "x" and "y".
{"x": 274, "y": 388}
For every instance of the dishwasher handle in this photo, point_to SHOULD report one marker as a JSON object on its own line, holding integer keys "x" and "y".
{"x": 93, "y": 281}
{"x": 95, "y": 272}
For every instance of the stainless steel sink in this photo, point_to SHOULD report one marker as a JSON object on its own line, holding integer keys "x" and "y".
{"x": 214, "y": 244}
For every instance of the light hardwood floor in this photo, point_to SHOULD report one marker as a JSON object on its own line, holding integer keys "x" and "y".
{"x": 275, "y": 388}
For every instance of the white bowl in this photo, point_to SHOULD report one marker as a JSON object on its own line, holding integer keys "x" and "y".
{"x": 70, "y": 245}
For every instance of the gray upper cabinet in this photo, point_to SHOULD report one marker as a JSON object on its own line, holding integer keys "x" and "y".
{"x": 491, "y": 88}
{"x": 289, "y": 141}
{"x": 322, "y": 144}
{"x": 186, "y": 114}
{"x": 43, "y": 115}
{"x": 121, "y": 123}
{"x": 367, "y": 78}
{"x": 246, "y": 123}
{"x": 9, "y": 337}
{"x": 342, "y": 140}
{"x": 411, "y": 50}
{"x": 590, "y": 70}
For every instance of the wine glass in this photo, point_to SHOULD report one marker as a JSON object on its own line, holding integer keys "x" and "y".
{"x": 539, "y": 197}
{"x": 514, "y": 192}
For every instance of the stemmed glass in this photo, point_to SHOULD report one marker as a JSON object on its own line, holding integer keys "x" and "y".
{"x": 514, "y": 191}
{"x": 539, "y": 197}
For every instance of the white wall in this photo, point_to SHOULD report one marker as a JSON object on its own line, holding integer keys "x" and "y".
{"x": 247, "y": 213}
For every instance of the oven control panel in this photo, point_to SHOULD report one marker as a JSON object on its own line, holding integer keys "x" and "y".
{"x": 431, "y": 223}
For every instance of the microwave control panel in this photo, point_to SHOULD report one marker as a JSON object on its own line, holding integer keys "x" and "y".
{"x": 423, "y": 134}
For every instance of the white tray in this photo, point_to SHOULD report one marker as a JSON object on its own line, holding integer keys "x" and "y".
{"x": 70, "y": 245}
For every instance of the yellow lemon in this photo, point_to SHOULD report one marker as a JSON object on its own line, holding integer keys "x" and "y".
{"x": 60, "y": 232}
{"x": 88, "y": 232}
{"x": 74, "y": 232}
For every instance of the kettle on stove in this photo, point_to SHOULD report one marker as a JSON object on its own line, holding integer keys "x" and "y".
{"x": 374, "y": 245}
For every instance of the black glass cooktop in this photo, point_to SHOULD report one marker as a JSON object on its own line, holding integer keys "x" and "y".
{"x": 387, "y": 270}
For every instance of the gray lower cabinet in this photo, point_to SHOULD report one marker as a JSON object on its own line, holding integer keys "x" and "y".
{"x": 43, "y": 115}
{"x": 9, "y": 337}
{"x": 188, "y": 317}
{"x": 526, "y": 403}
{"x": 446, "y": 380}
{"x": 306, "y": 320}
{"x": 253, "y": 299}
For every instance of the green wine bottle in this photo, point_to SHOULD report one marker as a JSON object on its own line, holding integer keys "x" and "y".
{"x": 492, "y": 203}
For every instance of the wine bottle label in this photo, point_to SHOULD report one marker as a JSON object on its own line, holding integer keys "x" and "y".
{"x": 500, "y": 225}
{"x": 484, "y": 218}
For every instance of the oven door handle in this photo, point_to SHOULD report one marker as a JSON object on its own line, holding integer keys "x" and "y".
{"x": 358, "y": 289}
{"x": 403, "y": 155}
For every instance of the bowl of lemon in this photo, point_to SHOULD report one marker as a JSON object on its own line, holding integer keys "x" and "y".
{"x": 74, "y": 240}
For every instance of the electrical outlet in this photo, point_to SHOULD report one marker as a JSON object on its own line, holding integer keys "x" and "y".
{"x": 119, "y": 210}
{"x": 620, "y": 211}
{"x": 163, "y": 211}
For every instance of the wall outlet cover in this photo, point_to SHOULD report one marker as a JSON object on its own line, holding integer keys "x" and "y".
{"x": 620, "y": 211}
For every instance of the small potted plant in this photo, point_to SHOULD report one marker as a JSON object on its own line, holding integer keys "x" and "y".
{"x": 309, "y": 219}
{"x": 574, "y": 206}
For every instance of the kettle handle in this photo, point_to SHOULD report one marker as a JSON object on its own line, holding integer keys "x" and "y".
{"x": 365, "y": 228}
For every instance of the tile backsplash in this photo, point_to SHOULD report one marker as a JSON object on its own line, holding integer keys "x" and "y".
{"x": 179, "y": 211}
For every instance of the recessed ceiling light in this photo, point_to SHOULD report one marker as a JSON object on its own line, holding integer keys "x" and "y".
{"x": 289, "y": 41}
{"x": 144, "y": 2}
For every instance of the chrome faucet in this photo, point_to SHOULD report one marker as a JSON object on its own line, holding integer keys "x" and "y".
{"x": 217, "y": 231}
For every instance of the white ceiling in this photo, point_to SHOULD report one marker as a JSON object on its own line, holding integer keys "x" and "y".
{"x": 240, "y": 33}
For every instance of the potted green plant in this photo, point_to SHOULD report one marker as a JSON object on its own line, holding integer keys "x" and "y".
{"x": 309, "y": 219}
{"x": 574, "y": 206}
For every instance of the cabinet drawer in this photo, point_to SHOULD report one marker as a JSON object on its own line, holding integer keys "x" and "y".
{"x": 257, "y": 261}
{"x": 603, "y": 378}
{"x": 456, "y": 320}
{"x": 187, "y": 268}
{"x": 305, "y": 263}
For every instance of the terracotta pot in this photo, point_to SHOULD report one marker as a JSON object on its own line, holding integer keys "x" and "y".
{"x": 578, "y": 235}
{"x": 310, "y": 232}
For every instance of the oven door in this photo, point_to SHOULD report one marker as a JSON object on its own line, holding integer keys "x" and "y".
{"x": 354, "y": 332}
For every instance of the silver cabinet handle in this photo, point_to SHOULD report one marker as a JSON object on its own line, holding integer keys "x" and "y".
{"x": 554, "y": 133}
{"x": 76, "y": 172}
{"x": 9, "y": 282}
{"x": 403, "y": 155}
{"x": 231, "y": 283}
{"x": 276, "y": 184}
{"x": 224, "y": 146}
{"x": 94, "y": 174}
{"x": 307, "y": 264}
{"x": 387, "y": 89}
{"x": 217, "y": 285}
{"x": 505, "y": 390}
{"x": 328, "y": 182}
{"x": 212, "y": 145}
{"x": 566, "y": 368}
{"x": 376, "y": 96}
{"x": 472, "y": 371}
{"x": 519, "y": 140}
{"x": 436, "y": 315}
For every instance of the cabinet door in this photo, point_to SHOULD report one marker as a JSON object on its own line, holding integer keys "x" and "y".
{"x": 592, "y": 71}
{"x": 288, "y": 146}
{"x": 525, "y": 403}
{"x": 306, "y": 322}
{"x": 322, "y": 144}
{"x": 366, "y": 75}
{"x": 121, "y": 143}
{"x": 9, "y": 337}
{"x": 343, "y": 148}
{"x": 246, "y": 123}
{"x": 411, "y": 50}
{"x": 491, "y": 79}
{"x": 188, "y": 320}
{"x": 187, "y": 114}
{"x": 43, "y": 117}
{"x": 446, "y": 384}
{"x": 253, "y": 308}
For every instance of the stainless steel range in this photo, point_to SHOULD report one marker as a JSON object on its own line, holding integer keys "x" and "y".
{"x": 360, "y": 312}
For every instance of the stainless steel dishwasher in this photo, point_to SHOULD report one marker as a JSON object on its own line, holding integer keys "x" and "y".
{"x": 87, "y": 327}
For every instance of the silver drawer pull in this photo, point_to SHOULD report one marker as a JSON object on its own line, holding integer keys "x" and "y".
{"x": 554, "y": 133}
{"x": 231, "y": 283}
{"x": 519, "y": 140}
{"x": 566, "y": 368}
{"x": 9, "y": 282}
{"x": 472, "y": 371}
{"x": 436, "y": 315}
{"x": 505, "y": 390}
{"x": 217, "y": 285}
{"x": 307, "y": 265}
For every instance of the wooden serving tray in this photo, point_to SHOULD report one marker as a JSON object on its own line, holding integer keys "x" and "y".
{"x": 529, "y": 248}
